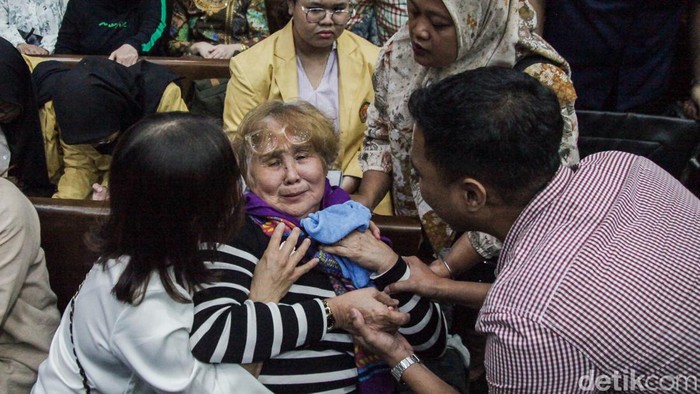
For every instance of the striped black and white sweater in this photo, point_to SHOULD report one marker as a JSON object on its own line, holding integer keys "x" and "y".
{"x": 290, "y": 337}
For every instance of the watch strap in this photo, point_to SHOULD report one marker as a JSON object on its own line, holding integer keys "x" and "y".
{"x": 330, "y": 319}
{"x": 403, "y": 365}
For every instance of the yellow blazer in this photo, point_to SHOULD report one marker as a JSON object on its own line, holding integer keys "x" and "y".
{"x": 268, "y": 71}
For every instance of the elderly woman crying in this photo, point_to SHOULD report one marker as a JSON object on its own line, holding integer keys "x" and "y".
{"x": 301, "y": 333}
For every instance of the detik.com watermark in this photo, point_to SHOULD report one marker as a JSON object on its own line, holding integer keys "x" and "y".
{"x": 630, "y": 381}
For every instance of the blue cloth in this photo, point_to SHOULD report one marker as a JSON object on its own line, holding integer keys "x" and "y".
{"x": 332, "y": 224}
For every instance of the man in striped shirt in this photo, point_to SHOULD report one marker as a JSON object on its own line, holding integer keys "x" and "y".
{"x": 598, "y": 281}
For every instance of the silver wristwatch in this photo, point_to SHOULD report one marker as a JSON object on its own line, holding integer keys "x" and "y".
{"x": 402, "y": 366}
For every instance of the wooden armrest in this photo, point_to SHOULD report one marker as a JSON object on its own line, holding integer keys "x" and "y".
{"x": 404, "y": 232}
{"x": 63, "y": 226}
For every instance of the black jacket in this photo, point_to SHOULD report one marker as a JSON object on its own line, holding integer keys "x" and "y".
{"x": 26, "y": 143}
{"x": 98, "y": 27}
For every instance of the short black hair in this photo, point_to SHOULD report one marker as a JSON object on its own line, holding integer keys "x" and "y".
{"x": 498, "y": 125}
{"x": 174, "y": 185}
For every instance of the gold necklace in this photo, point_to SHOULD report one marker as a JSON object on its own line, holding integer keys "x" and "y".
{"x": 211, "y": 6}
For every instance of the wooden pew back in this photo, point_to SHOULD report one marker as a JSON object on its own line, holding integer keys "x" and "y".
{"x": 65, "y": 222}
{"x": 190, "y": 68}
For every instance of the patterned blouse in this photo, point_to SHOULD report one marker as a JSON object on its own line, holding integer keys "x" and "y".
{"x": 41, "y": 18}
{"x": 241, "y": 21}
{"x": 502, "y": 38}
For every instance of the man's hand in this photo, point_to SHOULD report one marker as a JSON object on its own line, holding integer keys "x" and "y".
{"x": 29, "y": 49}
{"x": 422, "y": 280}
{"x": 391, "y": 347}
{"x": 125, "y": 55}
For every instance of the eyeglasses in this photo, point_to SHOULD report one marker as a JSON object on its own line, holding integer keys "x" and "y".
{"x": 339, "y": 17}
{"x": 264, "y": 141}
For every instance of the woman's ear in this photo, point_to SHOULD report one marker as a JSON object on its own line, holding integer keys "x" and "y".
{"x": 290, "y": 7}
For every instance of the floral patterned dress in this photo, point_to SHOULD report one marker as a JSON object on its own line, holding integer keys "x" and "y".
{"x": 216, "y": 22}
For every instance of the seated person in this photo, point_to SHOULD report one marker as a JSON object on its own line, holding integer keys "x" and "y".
{"x": 284, "y": 150}
{"x": 127, "y": 328}
{"x": 28, "y": 314}
{"x": 85, "y": 108}
{"x": 22, "y": 156}
{"x": 31, "y": 25}
{"x": 214, "y": 29}
{"x": 122, "y": 29}
{"x": 597, "y": 282}
{"x": 314, "y": 59}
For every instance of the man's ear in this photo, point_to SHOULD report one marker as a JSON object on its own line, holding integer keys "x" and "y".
{"x": 290, "y": 7}
{"x": 473, "y": 194}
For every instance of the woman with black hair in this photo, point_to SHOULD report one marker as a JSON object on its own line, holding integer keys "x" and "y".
{"x": 127, "y": 328}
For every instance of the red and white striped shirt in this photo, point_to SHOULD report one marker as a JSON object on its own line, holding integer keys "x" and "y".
{"x": 598, "y": 285}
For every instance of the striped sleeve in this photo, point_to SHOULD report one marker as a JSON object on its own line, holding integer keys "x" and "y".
{"x": 427, "y": 329}
{"x": 230, "y": 328}
{"x": 153, "y": 20}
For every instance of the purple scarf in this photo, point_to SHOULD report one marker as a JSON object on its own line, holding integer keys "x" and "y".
{"x": 372, "y": 373}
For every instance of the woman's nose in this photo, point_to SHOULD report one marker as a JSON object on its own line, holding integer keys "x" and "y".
{"x": 291, "y": 173}
{"x": 421, "y": 31}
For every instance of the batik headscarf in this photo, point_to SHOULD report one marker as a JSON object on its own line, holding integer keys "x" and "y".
{"x": 489, "y": 33}
{"x": 372, "y": 373}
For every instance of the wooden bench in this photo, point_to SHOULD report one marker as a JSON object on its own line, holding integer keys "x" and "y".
{"x": 190, "y": 68}
{"x": 65, "y": 222}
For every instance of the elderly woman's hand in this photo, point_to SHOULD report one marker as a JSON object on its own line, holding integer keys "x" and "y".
{"x": 278, "y": 268}
{"x": 377, "y": 308}
{"x": 366, "y": 250}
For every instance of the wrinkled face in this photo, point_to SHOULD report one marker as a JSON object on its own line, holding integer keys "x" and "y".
{"x": 438, "y": 195}
{"x": 317, "y": 35}
{"x": 291, "y": 178}
{"x": 433, "y": 33}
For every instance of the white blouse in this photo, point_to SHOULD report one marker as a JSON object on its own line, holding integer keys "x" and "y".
{"x": 126, "y": 348}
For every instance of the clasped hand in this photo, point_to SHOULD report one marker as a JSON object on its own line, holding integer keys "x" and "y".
{"x": 209, "y": 51}
{"x": 379, "y": 310}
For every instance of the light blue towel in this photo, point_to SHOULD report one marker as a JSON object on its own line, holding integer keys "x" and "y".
{"x": 332, "y": 224}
